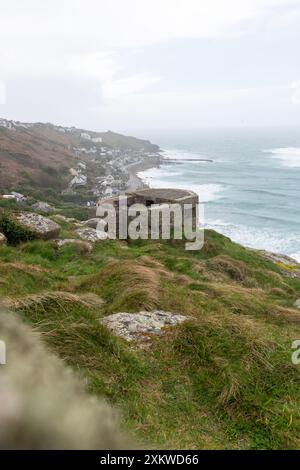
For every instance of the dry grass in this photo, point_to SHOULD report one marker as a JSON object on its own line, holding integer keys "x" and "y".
{"x": 58, "y": 297}
{"x": 234, "y": 270}
{"x": 138, "y": 286}
{"x": 223, "y": 380}
{"x": 27, "y": 268}
{"x": 286, "y": 314}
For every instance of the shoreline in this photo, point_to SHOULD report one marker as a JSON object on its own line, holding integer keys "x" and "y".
{"x": 146, "y": 163}
{"x": 136, "y": 182}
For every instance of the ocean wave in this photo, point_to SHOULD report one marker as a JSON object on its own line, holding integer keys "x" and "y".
{"x": 268, "y": 218}
{"x": 274, "y": 230}
{"x": 162, "y": 172}
{"x": 177, "y": 154}
{"x": 207, "y": 192}
{"x": 158, "y": 178}
{"x": 219, "y": 223}
{"x": 259, "y": 238}
{"x": 280, "y": 195}
{"x": 296, "y": 256}
{"x": 289, "y": 156}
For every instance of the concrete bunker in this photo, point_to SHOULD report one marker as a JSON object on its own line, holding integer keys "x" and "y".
{"x": 151, "y": 199}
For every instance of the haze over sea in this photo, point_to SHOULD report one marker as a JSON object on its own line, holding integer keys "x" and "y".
{"x": 251, "y": 189}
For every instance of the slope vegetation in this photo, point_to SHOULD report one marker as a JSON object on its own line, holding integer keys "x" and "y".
{"x": 223, "y": 379}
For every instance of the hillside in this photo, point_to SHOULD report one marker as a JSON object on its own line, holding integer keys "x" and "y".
{"x": 222, "y": 379}
{"x": 207, "y": 364}
{"x": 40, "y": 155}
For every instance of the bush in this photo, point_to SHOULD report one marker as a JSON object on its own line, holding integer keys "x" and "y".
{"x": 9, "y": 204}
{"x": 14, "y": 232}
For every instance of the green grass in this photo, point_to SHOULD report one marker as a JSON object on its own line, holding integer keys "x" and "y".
{"x": 14, "y": 232}
{"x": 224, "y": 379}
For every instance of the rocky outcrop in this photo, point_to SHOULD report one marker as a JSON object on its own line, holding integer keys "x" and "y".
{"x": 74, "y": 241}
{"x": 289, "y": 266}
{"x": 141, "y": 326}
{"x": 3, "y": 239}
{"x": 63, "y": 218}
{"x": 278, "y": 258}
{"x": 91, "y": 234}
{"x": 92, "y": 223}
{"x": 42, "y": 207}
{"x": 40, "y": 226}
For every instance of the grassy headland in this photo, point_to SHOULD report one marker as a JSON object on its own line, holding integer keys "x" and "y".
{"x": 224, "y": 379}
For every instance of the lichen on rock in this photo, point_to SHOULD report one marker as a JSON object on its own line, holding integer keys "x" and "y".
{"x": 41, "y": 226}
{"x": 73, "y": 241}
{"x": 91, "y": 234}
{"x": 140, "y": 326}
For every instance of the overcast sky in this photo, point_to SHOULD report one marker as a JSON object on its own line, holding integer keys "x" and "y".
{"x": 148, "y": 64}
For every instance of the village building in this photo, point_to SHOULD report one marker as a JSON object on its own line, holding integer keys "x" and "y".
{"x": 86, "y": 136}
{"x": 18, "y": 197}
{"x": 79, "y": 180}
{"x": 97, "y": 140}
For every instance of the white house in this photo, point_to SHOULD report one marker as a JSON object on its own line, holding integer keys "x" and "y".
{"x": 85, "y": 135}
{"x": 79, "y": 180}
{"x": 18, "y": 197}
{"x": 97, "y": 140}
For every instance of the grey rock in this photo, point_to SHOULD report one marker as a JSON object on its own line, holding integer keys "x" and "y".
{"x": 43, "y": 207}
{"x": 75, "y": 241}
{"x": 41, "y": 226}
{"x": 139, "y": 326}
{"x": 63, "y": 218}
{"x": 279, "y": 258}
{"x": 289, "y": 266}
{"x": 96, "y": 222}
{"x": 3, "y": 239}
{"x": 91, "y": 234}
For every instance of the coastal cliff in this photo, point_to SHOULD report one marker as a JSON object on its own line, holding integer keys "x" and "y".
{"x": 205, "y": 341}
{"x": 194, "y": 349}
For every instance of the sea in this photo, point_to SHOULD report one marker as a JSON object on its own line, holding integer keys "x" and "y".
{"x": 247, "y": 179}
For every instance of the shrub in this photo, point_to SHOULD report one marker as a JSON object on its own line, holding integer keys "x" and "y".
{"x": 9, "y": 204}
{"x": 14, "y": 232}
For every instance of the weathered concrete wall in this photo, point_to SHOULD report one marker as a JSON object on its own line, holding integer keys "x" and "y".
{"x": 151, "y": 197}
